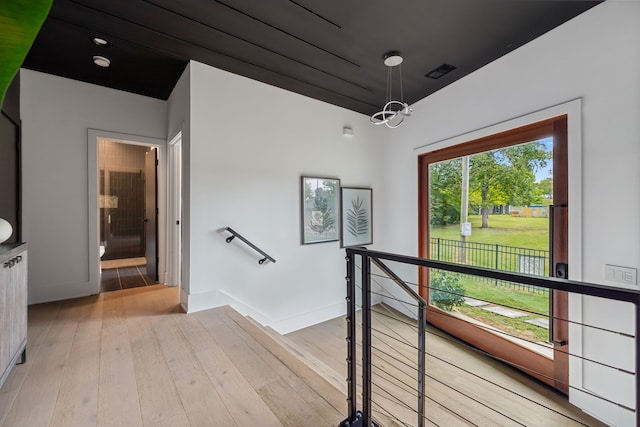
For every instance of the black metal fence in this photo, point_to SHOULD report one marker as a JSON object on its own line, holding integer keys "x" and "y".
{"x": 495, "y": 256}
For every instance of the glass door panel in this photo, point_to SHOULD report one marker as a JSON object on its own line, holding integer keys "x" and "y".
{"x": 489, "y": 205}
{"x": 491, "y": 210}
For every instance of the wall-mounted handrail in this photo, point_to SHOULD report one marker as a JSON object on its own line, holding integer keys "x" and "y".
{"x": 235, "y": 234}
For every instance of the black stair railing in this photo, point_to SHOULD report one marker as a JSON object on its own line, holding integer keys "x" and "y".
{"x": 364, "y": 416}
{"x": 235, "y": 234}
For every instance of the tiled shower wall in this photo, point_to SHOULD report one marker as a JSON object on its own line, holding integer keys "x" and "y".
{"x": 121, "y": 199}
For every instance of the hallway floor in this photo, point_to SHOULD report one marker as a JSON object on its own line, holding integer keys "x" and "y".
{"x": 133, "y": 358}
{"x": 124, "y": 274}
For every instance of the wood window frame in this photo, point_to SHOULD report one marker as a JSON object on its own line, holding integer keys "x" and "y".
{"x": 552, "y": 372}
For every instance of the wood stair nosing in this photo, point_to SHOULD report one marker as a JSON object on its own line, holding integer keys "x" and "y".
{"x": 315, "y": 380}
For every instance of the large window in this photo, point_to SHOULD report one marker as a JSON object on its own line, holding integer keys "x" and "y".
{"x": 500, "y": 202}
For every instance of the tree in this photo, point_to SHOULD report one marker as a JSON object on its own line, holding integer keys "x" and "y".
{"x": 444, "y": 192}
{"x": 545, "y": 188}
{"x": 506, "y": 176}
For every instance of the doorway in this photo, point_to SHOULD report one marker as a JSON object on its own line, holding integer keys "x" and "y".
{"x": 94, "y": 136}
{"x": 128, "y": 210}
{"x": 174, "y": 253}
{"x": 479, "y": 202}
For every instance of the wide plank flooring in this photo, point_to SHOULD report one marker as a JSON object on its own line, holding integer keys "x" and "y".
{"x": 132, "y": 358}
{"x": 463, "y": 387}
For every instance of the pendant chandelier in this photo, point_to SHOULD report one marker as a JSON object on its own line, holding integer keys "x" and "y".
{"x": 394, "y": 111}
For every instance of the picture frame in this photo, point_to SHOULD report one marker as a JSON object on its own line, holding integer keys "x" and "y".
{"x": 320, "y": 209}
{"x": 356, "y": 216}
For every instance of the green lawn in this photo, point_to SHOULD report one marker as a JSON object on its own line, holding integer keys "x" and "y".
{"x": 495, "y": 247}
{"x": 532, "y": 233}
{"x": 516, "y": 327}
{"x": 534, "y": 302}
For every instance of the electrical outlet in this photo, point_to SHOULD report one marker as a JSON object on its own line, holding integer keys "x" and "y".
{"x": 616, "y": 275}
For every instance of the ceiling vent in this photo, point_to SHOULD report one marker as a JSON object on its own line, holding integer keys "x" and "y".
{"x": 440, "y": 71}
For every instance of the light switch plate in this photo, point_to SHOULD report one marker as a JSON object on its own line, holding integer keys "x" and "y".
{"x": 617, "y": 275}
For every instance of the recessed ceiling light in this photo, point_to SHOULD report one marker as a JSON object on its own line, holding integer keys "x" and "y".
{"x": 99, "y": 41}
{"x": 101, "y": 61}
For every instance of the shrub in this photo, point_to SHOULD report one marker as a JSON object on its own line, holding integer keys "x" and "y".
{"x": 446, "y": 291}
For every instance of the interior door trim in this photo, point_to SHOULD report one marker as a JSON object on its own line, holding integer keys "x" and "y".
{"x": 93, "y": 135}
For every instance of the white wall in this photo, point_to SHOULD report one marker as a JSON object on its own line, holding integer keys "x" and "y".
{"x": 596, "y": 57}
{"x": 249, "y": 145}
{"x": 178, "y": 121}
{"x": 56, "y": 115}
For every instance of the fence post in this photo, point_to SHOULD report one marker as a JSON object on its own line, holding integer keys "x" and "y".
{"x": 497, "y": 252}
{"x": 438, "y": 258}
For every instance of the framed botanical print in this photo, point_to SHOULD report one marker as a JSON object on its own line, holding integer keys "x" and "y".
{"x": 320, "y": 209}
{"x": 356, "y": 216}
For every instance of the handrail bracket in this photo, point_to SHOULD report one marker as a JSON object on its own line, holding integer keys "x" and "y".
{"x": 234, "y": 234}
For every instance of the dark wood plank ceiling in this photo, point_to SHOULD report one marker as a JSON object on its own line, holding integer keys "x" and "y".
{"x": 327, "y": 50}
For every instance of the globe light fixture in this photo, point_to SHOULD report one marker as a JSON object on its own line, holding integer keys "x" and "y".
{"x": 6, "y": 230}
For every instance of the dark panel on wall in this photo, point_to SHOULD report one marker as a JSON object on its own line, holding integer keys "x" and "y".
{"x": 11, "y": 105}
{"x": 10, "y": 158}
{"x": 10, "y": 174}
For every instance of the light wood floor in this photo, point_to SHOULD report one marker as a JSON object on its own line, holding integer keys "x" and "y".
{"x": 122, "y": 263}
{"x": 131, "y": 358}
{"x": 455, "y": 397}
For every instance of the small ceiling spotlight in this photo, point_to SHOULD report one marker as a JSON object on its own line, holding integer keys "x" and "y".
{"x": 101, "y": 61}
{"x": 99, "y": 41}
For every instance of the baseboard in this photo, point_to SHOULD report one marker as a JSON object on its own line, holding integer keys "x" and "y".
{"x": 218, "y": 298}
{"x": 607, "y": 412}
{"x": 203, "y": 301}
{"x": 60, "y": 292}
{"x": 184, "y": 299}
{"x": 245, "y": 309}
{"x": 309, "y": 318}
